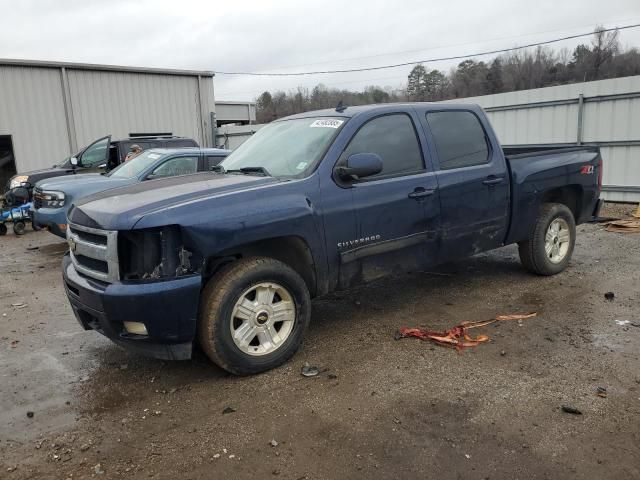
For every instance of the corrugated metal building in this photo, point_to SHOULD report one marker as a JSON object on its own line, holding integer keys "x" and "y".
{"x": 50, "y": 110}
{"x": 239, "y": 113}
{"x": 604, "y": 113}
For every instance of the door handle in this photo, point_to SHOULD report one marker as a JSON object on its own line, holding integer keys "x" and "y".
{"x": 493, "y": 180}
{"x": 421, "y": 193}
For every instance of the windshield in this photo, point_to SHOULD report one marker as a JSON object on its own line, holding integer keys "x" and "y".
{"x": 289, "y": 148}
{"x": 135, "y": 166}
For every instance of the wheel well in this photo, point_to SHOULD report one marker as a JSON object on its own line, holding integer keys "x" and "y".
{"x": 291, "y": 250}
{"x": 570, "y": 195}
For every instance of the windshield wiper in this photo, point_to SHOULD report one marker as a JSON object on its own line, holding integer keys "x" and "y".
{"x": 250, "y": 171}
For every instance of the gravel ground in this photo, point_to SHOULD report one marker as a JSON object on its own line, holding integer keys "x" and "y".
{"x": 73, "y": 405}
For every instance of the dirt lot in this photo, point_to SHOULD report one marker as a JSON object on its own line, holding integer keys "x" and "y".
{"x": 380, "y": 408}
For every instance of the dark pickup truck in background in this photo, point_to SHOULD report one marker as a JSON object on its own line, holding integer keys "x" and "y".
{"x": 100, "y": 156}
{"x": 313, "y": 203}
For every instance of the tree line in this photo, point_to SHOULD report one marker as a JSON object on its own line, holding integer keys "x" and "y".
{"x": 518, "y": 70}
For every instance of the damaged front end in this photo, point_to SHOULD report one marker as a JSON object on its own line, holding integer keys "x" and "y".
{"x": 155, "y": 254}
{"x": 144, "y": 297}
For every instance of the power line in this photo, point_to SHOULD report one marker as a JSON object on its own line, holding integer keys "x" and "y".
{"x": 440, "y": 47}
{"x": 404, "y": 64}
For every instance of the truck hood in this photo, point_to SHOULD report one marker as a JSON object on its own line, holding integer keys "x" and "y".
{"x": 122, "y": 208}
{"x": 78, "y": 186}
{"x": 58, "y": 183}
{"x": 37, "y": 175}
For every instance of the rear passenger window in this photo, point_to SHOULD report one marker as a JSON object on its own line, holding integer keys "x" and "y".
{"x": 460, "y": 139}
{"x": 394, "y": 139}
{"x": 212, "y": 161}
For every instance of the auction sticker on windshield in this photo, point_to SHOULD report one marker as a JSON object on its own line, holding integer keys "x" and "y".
{"x": 327, "y": 123}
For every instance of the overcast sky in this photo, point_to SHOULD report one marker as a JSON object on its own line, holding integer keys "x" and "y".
{"x": 291, "y": 36}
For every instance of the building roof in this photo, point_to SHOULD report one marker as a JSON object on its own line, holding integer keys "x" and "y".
{"x": 103, "y": 68}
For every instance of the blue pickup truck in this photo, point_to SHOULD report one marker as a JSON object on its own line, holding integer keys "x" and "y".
{"x": 310, "y": 204}
{"x": 52, "y": 198}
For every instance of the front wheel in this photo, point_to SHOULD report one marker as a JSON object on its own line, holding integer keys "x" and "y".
{"x": 19, "y": 227}
{"x": 253, "y": 315}
{"x": 550, "y": 245}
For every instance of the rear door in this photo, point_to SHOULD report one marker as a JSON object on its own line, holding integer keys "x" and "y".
{"x": 473, "y": 183}
{"x": 397, "y": 210}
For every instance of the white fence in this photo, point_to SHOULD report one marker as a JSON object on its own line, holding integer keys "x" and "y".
{"x": 605, "y": 113}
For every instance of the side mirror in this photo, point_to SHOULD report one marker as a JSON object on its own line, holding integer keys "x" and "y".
{"x": 73, "y": 161}
{"x": 360, "y": 165}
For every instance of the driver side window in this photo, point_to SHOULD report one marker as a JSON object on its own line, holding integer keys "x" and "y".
{"x": 96, "y": 154}
{"x": 176, "y": 166}
{"x": 393, "y": 138}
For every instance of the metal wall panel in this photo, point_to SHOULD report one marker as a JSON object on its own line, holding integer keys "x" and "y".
{"x": 49, "y": 119}
{"x": 236, "y": 112}
{"x": 32, "y": 112}
{"x": 122, "y": 103}
{"x": 232, "y": 136}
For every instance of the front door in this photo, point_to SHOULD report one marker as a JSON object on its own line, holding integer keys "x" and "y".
{"x": 397, "y": 210}
{"x": 94, "y": 158}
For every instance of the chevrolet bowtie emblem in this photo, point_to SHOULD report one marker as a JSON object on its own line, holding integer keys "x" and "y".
{"x": 72, "y": 244}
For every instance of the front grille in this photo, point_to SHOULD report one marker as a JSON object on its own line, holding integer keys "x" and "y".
{"x": 94, "y": 252}
{"x": 37, "y": 198}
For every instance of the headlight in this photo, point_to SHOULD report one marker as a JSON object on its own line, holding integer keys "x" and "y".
{"x": 51, "y": 198}
{"x": 18, "y": 180}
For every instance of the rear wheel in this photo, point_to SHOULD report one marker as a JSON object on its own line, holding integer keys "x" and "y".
{"x": 253, "y": 315}
{"x": 550, "y": 245}
{"x": 19, "y": 227}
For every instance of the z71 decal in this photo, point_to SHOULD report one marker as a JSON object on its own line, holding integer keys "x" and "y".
{"x": 587, "y": 170}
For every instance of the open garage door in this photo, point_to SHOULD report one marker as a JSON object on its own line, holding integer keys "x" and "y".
{"x": 7, "y": 161}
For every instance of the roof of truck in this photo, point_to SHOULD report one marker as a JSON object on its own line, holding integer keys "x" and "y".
{"x": 347, "y": 111}
{"x": 204, "y": 151}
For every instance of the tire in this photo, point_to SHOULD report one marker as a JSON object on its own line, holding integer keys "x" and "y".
{"x": 3, "y": 229}
{"x": 220, "y": 315}
{"x": 19, "y": 227}
{"x": 36, "y": 228}
{"x": 549, "y": 258}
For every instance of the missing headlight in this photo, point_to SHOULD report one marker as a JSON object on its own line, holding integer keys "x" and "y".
{"x": 152, "y": 254}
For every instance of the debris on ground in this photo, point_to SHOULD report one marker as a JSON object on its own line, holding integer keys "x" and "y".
{"x": 19, "y": 305}
{"x": 609, "y": 296}
{"x": 273, "y": 443}
{"x": 601, "y": 392}
{"x": 627, "y": 323}
{"x": 14, "y": 343}
{"x": 637, "y": 212}
{"x": 33, "y": 248}
{"x": 228, "y": 410}
{"x": 570, "y": 409}
{"x": 309, "y": 371}
{"x": 624, "y": 226}
{"x": 332, "y": 376}
{"x": 30, "y": 414}
{"x": 98, "y": 470}
{"x": 457, "y": 337}
{"x": 603, "y": 219}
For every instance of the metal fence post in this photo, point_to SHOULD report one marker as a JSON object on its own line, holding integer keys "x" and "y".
{"x": 580, "y": 118}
